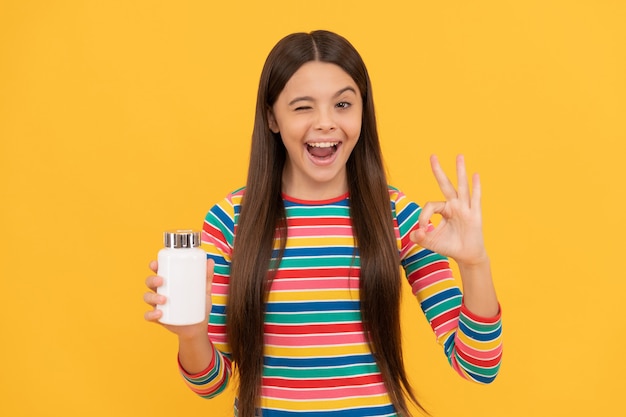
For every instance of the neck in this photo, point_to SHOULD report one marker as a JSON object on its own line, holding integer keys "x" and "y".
{"x": 309, "y": 189}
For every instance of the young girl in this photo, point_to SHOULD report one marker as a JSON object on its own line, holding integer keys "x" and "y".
{"x": 304, "y": 260}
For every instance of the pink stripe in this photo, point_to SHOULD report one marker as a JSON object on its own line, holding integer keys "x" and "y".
{"x": 218, "y": 338}
{"x": 222, "y": 246}
{"x": 324, "y": 393}
{"x": 219, "y": 289}
{"x": 316, "y": 284}
{"x": 446, "y": 327}
{"x": 433, "y": 278}
{"x": 325, "y": 232}
{"x": 315, "y": 341}
{"x": 476, "y": 353}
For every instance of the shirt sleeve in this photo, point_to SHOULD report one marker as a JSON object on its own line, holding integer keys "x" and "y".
{"x": 472, "y": 344}
{"x": 217, "y": 240}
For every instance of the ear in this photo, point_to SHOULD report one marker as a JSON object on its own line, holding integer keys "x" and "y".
{"x": 271, "y": 121}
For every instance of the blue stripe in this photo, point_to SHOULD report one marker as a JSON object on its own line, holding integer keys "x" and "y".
{"x": 386, "y": 410}
{"x": 325, "y": 306}
{"x": 439, "y": 297}
{"x": 223, "y": 217}
{"x": 419, "y": 255}
{"x": 318, "y": 362}
{"x": 448, "y": 345}
{"x": 408, "y": 211}
{"x": 218, "y": 259}
{"x": 218, "y": 309}
{"x": 319, "y": 251}
{"x": 482, "y": 337}
{"x": 482, "y": 379}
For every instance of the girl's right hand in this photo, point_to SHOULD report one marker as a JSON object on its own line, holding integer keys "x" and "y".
{"x": 153, "y": 299}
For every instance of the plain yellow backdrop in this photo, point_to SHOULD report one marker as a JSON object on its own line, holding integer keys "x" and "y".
{"x": 120, "y": 119}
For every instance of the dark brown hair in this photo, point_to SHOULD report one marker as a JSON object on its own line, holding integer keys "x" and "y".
{"x": 263, "y": 216}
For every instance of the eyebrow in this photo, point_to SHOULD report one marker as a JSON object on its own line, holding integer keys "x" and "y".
{"x": 309, "y": 98}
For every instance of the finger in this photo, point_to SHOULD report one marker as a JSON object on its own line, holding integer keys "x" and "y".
{"x": 428, "y": 211}
{"x": 421, "y": 234}
{"x": 154, "y": 266}
{"x": 418, "y": 236}
{"x": 210, "y": 273}
{"x": 461, "y": 175}
{"x": 446, "y": 186}
{"x": 153, "y": 282}
{"x": 476, "y": 191}
{"x": 153, "y": 315}
{"x": 154, "y": 299}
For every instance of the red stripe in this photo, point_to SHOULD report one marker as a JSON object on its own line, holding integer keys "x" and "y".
{"x": 321, "y": 383}
{"x": 319, "y": 221}
{"x": 428, "y": 269}
{"x": 317, "y": 273}
{"x": 220, "y": 279}
{"x": 445, "y": 317}
{"x": 212, "y": 231}
{"x": 490, "y": 363}
{"x": 314, "y": 328}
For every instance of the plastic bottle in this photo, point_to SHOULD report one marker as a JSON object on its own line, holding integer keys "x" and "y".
{"x": 182, "y": 264}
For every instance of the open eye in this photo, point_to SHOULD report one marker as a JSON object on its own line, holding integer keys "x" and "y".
{"x": 343, "y": 105}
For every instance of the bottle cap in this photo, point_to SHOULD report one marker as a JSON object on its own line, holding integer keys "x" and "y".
{"x": 181, "y": 239}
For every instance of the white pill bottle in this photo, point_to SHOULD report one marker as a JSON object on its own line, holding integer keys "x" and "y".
{"x": 182, "y": 265}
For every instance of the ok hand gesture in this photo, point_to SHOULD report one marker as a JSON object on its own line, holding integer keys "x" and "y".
{"x": 459, "y": 234}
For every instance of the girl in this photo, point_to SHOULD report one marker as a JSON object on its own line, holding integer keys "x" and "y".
{"x": 304, "y": 260}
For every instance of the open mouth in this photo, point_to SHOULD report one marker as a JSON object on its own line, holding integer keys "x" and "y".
{"x": 322, "y": 150}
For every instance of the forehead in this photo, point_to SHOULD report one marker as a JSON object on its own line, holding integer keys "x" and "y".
{"x": 318, "y": 77}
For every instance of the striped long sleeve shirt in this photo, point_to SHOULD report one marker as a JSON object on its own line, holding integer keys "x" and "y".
{"x": 317, "y": 361}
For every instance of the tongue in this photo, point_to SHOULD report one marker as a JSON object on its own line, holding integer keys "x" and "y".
{"x": 321, "y": 152}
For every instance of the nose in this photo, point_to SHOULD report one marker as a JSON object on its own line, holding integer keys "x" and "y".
{"x": 324, "y": 120}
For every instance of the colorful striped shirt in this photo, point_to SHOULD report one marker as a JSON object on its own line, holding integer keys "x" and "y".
{"x": 317, "y": 361}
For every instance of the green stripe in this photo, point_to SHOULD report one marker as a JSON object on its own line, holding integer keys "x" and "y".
{"x": 479, "y": 327}
{"x": 422, "y": 262}
{"x": 222, "y": 269}
{"x": 409, "y": 222}
{"x": 318, "y": 211}
{"x": 217, "y": 319}
{"x": 488, "y": 372}
{"x": 449, "y": 304}
{"x": 217, "y": 392}
{"x": 320, "y": 262}
{"x": 429, "y": 259}
{"x": 307, "y": 318}
{"x": 215, "y": 222}
{"x": 308, "y": 373}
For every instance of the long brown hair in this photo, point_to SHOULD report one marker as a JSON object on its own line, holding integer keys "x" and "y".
{"x": 262, "y": 218}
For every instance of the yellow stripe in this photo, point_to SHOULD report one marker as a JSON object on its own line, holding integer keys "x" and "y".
{"x": 222, "y": 347}
{"x": 305, "y": 352}
{"x": 314, "y": 295}
{"x": 436, "y": 288}
{"x": 322, "y": 241}
{"x": 219, "y": 299}
{"x": 479, "y": 345}
{"x": 325, "y": 405}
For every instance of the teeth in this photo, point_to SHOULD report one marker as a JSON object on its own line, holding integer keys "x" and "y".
{"x": 322, "y": 144}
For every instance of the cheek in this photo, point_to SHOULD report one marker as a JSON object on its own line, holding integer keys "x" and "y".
{"x": 294, "y": 129}
{"x": 355, "y": 129}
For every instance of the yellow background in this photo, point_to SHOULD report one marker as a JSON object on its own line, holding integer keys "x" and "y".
{"x": 120, "y": 119}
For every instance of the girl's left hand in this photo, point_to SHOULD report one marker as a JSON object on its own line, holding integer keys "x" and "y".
{"x": 459, "y": 234}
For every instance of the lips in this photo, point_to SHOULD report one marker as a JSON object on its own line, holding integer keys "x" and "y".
{"x": 322, "y": 150}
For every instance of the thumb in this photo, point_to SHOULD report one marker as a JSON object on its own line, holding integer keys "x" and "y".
{"x": 418, "y": 236}
{"x": 210, "y": 269}
{"x": 422, "y": 235}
